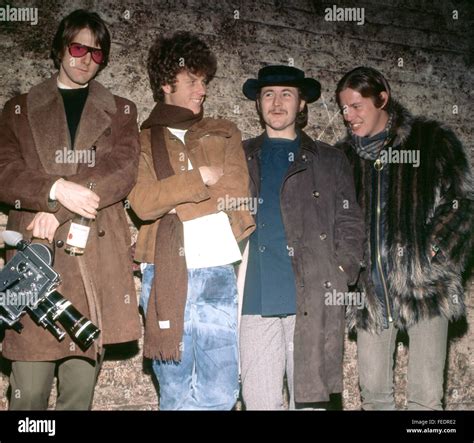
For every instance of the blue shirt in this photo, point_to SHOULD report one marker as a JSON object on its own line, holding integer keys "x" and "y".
{"x": 270, "y": 282}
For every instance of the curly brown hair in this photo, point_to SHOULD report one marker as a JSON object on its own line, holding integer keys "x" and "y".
{"x": 169, "y": 56}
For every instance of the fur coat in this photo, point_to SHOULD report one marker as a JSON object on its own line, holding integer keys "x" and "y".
{"x": 429, "y": 207}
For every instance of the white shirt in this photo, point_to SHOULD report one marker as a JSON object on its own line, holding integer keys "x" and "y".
{"x": 208, "y": 240}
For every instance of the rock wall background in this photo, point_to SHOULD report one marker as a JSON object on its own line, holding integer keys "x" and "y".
{"x": 423, "y": 47}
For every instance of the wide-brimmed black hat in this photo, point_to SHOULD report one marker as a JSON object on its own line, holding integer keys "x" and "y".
{"x": 281, "y": 75}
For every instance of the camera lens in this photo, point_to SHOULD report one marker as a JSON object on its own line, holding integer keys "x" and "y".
{"x": 80, "y": 328}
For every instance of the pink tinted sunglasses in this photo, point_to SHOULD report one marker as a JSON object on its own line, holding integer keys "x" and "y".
{"x": 78, "y": 50}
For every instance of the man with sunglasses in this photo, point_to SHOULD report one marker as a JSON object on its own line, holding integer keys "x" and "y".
{"x": 71, "y": 113}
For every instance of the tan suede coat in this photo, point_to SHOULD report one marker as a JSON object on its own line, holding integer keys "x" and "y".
{"x": 210, "y": 142}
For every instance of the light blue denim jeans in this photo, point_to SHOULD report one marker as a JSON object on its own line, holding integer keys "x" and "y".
{"x": 207, "y": 377}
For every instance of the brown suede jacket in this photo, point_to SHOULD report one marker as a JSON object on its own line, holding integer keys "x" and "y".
{"x": 210, "y": 142}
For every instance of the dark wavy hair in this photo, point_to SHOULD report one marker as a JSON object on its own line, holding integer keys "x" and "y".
{"x": 180, "y": 52}
{"x": 301, "y": 117}
{"x": 69, "y": 28}
{"x": 369, "y": 83}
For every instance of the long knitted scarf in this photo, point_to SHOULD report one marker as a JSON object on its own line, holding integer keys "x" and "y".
{"x": 165, "y": 312}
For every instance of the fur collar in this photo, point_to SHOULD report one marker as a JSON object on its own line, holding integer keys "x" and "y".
{"x": 47, "y": 120}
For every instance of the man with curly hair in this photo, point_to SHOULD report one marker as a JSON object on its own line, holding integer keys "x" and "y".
{"x": 191, "y": 191}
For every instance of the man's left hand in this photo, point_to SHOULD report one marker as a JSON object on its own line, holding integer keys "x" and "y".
{"x": 44, "y": 225}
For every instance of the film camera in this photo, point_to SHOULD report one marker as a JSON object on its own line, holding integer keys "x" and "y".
{"x": 28, "y": 283}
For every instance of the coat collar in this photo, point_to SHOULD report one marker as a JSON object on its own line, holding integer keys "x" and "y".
{"x": 48, "y": 124}
{"x": 252, "y": 150}
{"x": 207, "y": 127}
{"x": 211, "y": 126}
{"x": 402, "y": 123}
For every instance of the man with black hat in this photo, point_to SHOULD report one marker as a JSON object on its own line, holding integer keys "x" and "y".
{"x": 306, "y": 249}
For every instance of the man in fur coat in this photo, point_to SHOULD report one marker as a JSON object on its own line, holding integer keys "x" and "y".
{"x": 413, "y": 183}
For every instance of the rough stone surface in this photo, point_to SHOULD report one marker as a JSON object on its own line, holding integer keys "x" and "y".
{"x": 423, "y": 51}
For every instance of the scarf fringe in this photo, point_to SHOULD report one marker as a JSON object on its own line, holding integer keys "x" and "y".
{"x": 156, "y": 354}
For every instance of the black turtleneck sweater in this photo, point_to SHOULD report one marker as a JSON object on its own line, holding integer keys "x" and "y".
{"x": 74, "y": 101}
